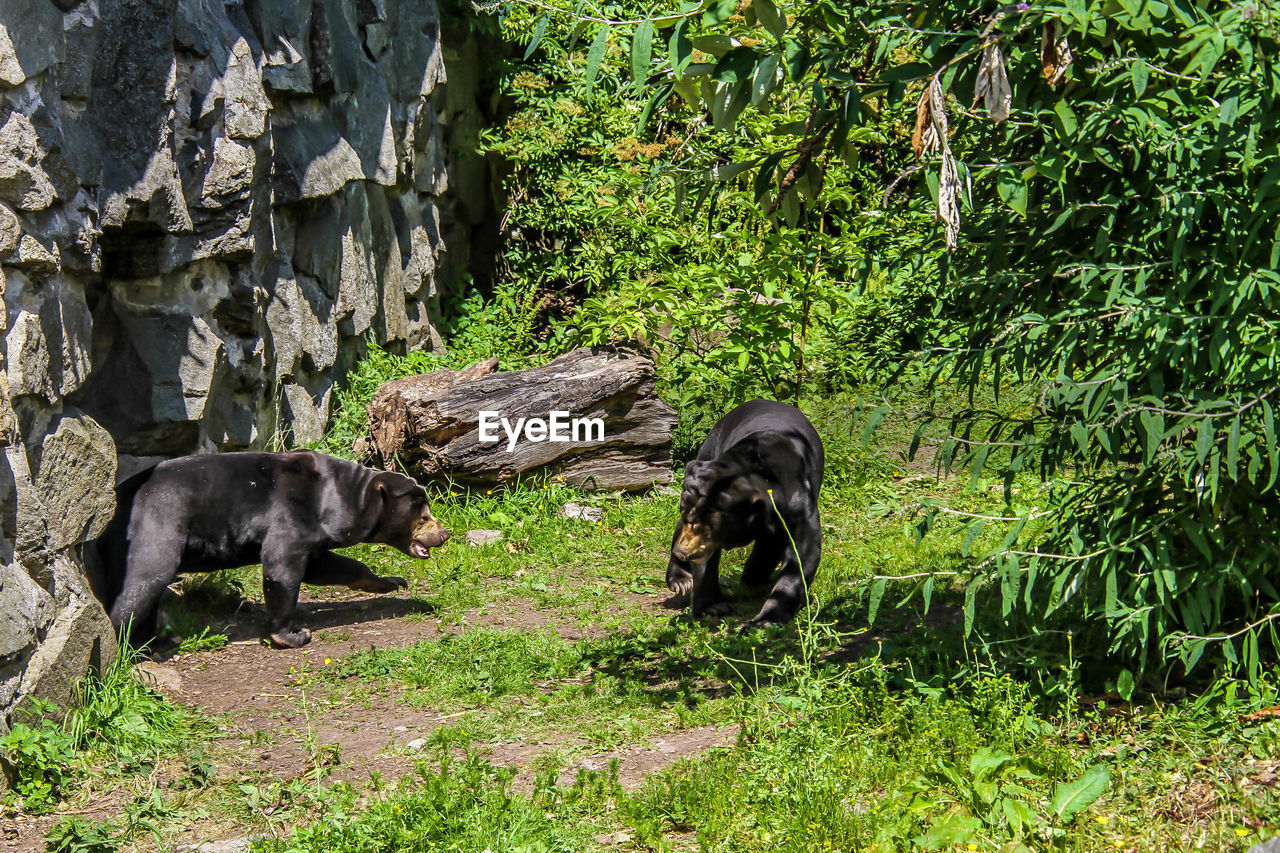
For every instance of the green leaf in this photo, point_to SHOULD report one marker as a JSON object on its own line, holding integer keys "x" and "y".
{"x": 1153, "y": 428}
{"x": 688, "y": 90}
{"x": 798, "y": 58}
{"x": 659, "y": 95}
{"x": 1204, "y": 440}
{"x": 538, "y": 32}
{"x": 736, "y": 66}
{"x": 641, "y": 54}
{"x": 873, "y": 600}
{"x": 1013, "y": 192}
{"x": 770, "y": 18}
{"x": 1071, "y": 798}
{"x": 1273, "y": 452}
{"x": 975, "y": 530}
{"x": 1233, "y": 447}
{"x": 680, "y": 48}
{"x": 594, "y": 57}
{"x": 988, "y": 762}
{"x": 766, "y": 78}
{"x": 873, "y": 420}
{"x": 1020, "y": 816}
{"x": 1065, "y": 118}
{"x": 970, "y": 603}
{"x": 718, "y": 11}
{"x": 717, "y": 45}
{"x": 1125, "y": 685}
{"x": 1140, "y": 77}
{"x": 906, "y": 72}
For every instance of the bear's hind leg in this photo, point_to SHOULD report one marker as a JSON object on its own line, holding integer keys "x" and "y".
{"x": 151, "y": 565}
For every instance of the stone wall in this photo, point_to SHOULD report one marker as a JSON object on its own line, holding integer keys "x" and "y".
{"x": 206, "y": 206}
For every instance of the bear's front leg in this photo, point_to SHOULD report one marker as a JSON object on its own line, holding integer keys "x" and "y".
{"x": 708, "y": 598}
{"x": 329, "y": 569}
{"x": 282, "y": 573}
{"x": 679, "y": 572}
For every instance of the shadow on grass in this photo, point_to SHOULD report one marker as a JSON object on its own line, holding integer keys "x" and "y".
{"x": 688, "y": 659}
{"x": 238, "y": 619}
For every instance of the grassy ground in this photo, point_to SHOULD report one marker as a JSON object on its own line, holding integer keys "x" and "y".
{"x": 546, "y": 664}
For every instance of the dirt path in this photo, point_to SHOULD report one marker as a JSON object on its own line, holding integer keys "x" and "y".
{"x": 262, "y": 695}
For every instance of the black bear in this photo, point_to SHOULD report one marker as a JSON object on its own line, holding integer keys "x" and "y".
{"x": 760, "y": 456}
{"x": 283, "y": 510}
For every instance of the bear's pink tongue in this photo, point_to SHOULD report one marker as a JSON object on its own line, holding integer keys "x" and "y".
{"x": 419, "y": 550}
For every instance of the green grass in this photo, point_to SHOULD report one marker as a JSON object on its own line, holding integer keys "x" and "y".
{"x": 892, "y": 733}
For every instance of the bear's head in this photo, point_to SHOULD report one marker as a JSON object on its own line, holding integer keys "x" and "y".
{"x": 722, "y": 501}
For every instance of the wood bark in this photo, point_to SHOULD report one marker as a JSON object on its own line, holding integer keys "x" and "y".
{"x": 429, "y": 425}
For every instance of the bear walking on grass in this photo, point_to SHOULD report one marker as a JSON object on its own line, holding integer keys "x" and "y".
{"x": 756, "y": 479}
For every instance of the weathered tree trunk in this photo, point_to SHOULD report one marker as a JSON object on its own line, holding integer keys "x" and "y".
{"x": 430, "y": 425}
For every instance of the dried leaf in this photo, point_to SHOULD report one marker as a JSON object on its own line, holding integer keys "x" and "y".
{"x": 922, "y": 124}
{"x": 948, "y": 209}
{"x": 937, "y": 141}
{"x": 992, "y": 87}
{"x": 1055, "y": 53}
{"x": 930, "y": 134}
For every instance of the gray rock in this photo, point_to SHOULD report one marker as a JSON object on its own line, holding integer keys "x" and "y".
{"x": 313, "y": 159}
{"x": 230, "y": 173}
{"x": 300, "y": 322}
{"x": 30, "y": 39}
{"x": 163, "y": 678}
{"x": 48, "y": 343}
{"x": 358, "y": 279}
{"x": 75, "y": 481}
{"x": 585, "y": 513}
{"x": 80, "y": 640}
{"x": 35, "y": 258}
{"x": 285, "y": 68}
{"x": 245, "y": 101}
{"x": 484, "y": 537}
{"x": 1271, "y": 845}
{"x": 25, "y": 610}
{"x": 307, "y": 409}
{"x": 336, "y": 60}
{"x": 416, "y": 745}
{"x": 23, "y": 183}
{"x": 10, "y": 230}
{"x": 207, "y": 209}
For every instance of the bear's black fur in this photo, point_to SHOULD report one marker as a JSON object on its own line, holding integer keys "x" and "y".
{"x": 760, "y": 456}
{"x": 283, "y": 510}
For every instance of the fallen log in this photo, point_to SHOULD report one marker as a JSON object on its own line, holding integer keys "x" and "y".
{"x": 590, "y": 417}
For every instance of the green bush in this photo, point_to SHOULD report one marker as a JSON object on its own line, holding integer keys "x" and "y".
{"x": 730, "y": 306}
{"x": 1113, "y": 241}
{"x": 38, "y": 759}
{"x": 74, "y": 834}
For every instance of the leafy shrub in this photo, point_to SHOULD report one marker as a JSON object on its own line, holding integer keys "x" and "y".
{"x": 465, "y": 805}
{"x": 72, "y": 834}
{"x": 731, "y": 307}
{"x": 1114, "y": 242}
{"x": 38, "y": 758}
{"x": 118, "y": 714}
